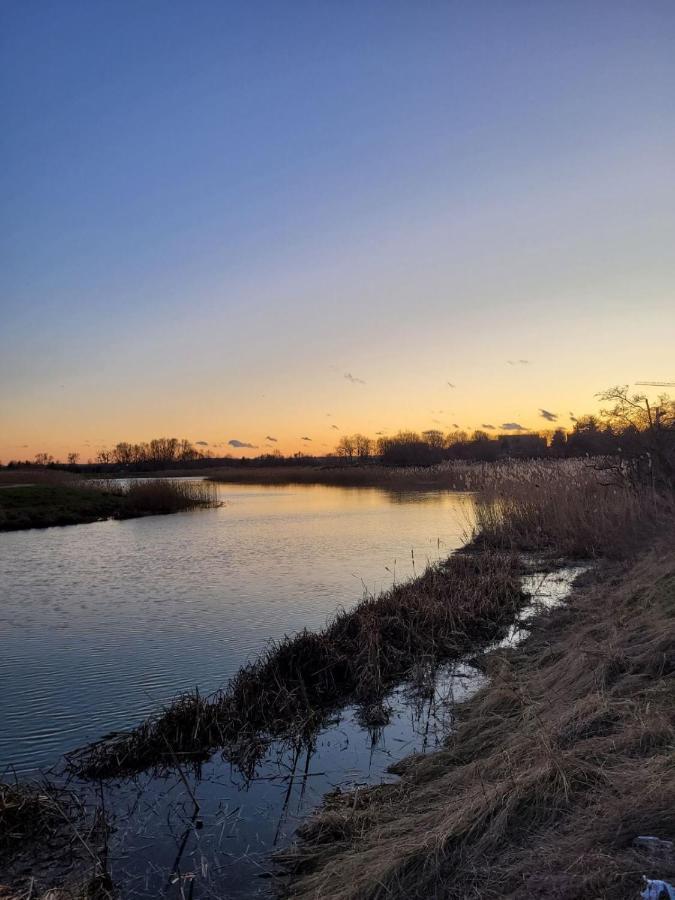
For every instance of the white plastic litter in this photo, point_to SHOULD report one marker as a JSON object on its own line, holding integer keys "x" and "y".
{"x": 657, "y": 890}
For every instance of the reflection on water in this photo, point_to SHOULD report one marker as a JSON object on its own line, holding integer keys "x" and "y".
{"x": 211, "y": 833}
{"x": 102, "y": 623}
{"x": 214, "y": 832}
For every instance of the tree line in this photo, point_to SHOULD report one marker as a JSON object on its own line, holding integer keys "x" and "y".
{"x": 629, "y": 429}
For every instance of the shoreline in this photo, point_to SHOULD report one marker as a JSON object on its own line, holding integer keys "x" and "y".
{"x": 551, "y": 772}
{"x": 582, "y": 709}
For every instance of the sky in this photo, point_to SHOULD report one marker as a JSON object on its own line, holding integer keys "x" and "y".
{"x": 237, "y": 221}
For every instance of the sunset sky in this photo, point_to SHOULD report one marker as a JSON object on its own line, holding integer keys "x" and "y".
{"x": 236, "y": 221}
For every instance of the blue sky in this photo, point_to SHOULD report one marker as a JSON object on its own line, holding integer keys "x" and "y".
{"x": 211, "y": 212}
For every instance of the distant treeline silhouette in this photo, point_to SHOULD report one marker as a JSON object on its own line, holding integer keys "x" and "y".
{"x": 631, "y": 430}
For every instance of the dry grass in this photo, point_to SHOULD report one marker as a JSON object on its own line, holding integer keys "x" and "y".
{"x": 454, "y": 475}
{"x": 357, "y": 658}
{"x": 567, "y": 508}
{"x": 50, "y": 847}
{"x": 160, "y": 496}
{"x": 557, "y": 767}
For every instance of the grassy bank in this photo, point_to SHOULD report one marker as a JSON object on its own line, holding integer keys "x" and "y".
{"x": 73, "y": 502}
{"x": 392, "y": 478}
{"x": 288, "y": 692}
{"x": 558, "y": 766}
{"x": 566, "y": 758}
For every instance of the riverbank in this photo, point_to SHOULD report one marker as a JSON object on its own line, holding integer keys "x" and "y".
{"x": 73, "y": 502}
{"x": 555, "y": 771}
{"x": 394, "y": 643}
{"x": 297, "y": 683}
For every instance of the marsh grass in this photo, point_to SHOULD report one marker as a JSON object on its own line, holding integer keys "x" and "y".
{"x": 291, "y": 688}
{"x": 51, "y": 846}
{"x": 557, "y": 767}
{"x": 159, "y": 496}
{"x": 567, "y": 508}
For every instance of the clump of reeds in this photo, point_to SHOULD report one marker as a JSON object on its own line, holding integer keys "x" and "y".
{"x": 360, "y": 655}
{"x": 28, "y": 812}
{"x": 47, "y": 829}
{"x": 565, "y": 508}
{"x": 556, "y": 769}
{"x": 163, "y": 495}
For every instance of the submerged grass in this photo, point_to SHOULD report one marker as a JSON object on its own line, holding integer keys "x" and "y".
{"x": 360, "y": 655}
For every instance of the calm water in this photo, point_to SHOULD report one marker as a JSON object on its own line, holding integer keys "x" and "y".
{"x": 101, "y": 623}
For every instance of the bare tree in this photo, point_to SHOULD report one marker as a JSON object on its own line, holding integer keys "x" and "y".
{"x": 434, "y": 438}
{"x": 346, "y": 447}
{"x": 363, "y": 445}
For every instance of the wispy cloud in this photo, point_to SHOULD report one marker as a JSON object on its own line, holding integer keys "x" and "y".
{"x": 512, "y": 426}
{"x": 487, "y": 426}
{"x": 549, "y": 416}
{"x": 518, "y": 362}
{"x": 270, "y": 438}
{"x": 353, "y": 378}
{"x": 242, "y": 444}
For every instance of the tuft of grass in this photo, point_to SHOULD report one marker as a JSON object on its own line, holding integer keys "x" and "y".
{"x": 161, "y": 496}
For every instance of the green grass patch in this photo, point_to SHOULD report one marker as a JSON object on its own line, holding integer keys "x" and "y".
{"x": 42, "y": 505}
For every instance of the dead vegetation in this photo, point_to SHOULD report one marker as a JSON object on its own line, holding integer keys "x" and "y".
{"x": 569, "y": 508}
{"x": 161, "y": 496}
{"x": 362, "y": 653}
{"x": 51, "y": 846}
{"x": 556, "y": 768}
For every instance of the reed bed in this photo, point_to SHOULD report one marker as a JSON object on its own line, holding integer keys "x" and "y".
{"x": 361, "y": 654}
{"x": 457, "y": 475}
{"x": 558, "y": 782}
{"x": 161, "y": 496}
{"x": 564, "y": 508}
